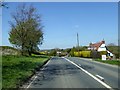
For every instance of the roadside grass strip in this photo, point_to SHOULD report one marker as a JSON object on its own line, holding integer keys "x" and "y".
{"x": 112, "y": 62}
{"x": 101, "y": 82}
{"x": 18, "y": 69}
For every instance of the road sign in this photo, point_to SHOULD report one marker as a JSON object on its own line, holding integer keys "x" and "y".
{"x": 103, "y": 57}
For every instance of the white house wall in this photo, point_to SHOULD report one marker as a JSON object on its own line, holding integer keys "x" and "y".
{"x": 103, "y": 45}
{"x": 102, "y": 48}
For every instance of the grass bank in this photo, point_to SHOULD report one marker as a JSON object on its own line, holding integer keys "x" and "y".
{"x": 113, "y": 62}
{"x": 18, "y": 69}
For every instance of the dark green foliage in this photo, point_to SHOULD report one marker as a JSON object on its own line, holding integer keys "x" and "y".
{"x": 72, "y": 51}
{"x": 68, "y": 50}
{"x": 114, "y": 50}
{"x": 103, "y": 53}
{"x": 52, "y": 53}
{"x": 95, "y": 54}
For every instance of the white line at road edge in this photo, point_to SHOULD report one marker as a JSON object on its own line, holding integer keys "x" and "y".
{"x": 37, "y": 76}
{"x": 104, "y": 84}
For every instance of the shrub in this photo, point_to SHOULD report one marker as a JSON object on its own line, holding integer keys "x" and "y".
{"x": 72, "y": 53}
{"x": 103, "y": 53}
{"x": 52, "y": 53}
{"x": 95, "y": 54}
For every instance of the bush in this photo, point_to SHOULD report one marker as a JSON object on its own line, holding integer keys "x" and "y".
{"x": 115, "y": 50}
{"x": 72, "y": 53}
{"x": 95, "y": 54}
{"x": 103, "y": 53}
{"x": 52, "y": 53}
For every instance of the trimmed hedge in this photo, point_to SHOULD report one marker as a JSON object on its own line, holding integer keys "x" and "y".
{"x": 88, "y": 54}
{"x": 83, "y": 54}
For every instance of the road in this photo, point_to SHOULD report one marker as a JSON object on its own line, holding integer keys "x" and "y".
{"x": 108, "y": 72}
{"x": 65, "y": 73}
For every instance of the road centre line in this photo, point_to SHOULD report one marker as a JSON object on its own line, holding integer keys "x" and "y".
{"x": 37, "y": 76}
{"x": 104, "y": 84}
{"x": 100, "y": 77}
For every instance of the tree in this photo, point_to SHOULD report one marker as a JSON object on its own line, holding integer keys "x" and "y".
{"x": 53, "y": 52}
{"x": 68, "y": 50}
{"x": 3, "y": 4}
{"x": 26, "y": 29}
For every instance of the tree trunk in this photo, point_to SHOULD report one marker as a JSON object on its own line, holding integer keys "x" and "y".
{"x": 22, "y": 49}
{"x": 29, "y": 53}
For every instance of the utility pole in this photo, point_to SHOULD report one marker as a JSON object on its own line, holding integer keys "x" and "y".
{"x": 78, "y": 44}
{"x": 77, "y": 40}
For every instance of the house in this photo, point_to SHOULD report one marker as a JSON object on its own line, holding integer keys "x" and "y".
{"x": 100, "y": 46}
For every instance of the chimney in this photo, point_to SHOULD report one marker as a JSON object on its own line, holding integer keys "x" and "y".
{"x": 103, "y": 41}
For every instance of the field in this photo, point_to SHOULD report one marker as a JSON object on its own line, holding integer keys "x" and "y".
{"x": 17, "y": 69}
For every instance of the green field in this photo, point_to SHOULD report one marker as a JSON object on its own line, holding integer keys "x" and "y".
{"x": 113, "y": 62}
{"x": 17, "y": 69}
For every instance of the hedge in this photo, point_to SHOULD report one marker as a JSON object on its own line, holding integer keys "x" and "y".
{"x": 88, "y": 54}
{"x": 82, "y": 54}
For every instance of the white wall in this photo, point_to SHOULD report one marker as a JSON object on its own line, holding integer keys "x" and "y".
{"x": 102, "y": 48}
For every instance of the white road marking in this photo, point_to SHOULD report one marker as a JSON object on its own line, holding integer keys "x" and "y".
{"x": 31, "y": 82}
{"x": 37, "y": 76}
{"x": 100, "y": 77}
{"x": 45, "y": 65}
{"x": 104, "y": 84}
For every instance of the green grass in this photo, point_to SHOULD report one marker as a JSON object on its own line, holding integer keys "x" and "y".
{"x": 113, "y": 62}
{"x": 17, "y": 69}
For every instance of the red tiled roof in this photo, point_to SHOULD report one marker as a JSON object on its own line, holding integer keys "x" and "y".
{"x": 97, "y": 45}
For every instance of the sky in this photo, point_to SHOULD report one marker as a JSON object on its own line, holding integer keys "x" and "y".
{"x": 93, "y": 21}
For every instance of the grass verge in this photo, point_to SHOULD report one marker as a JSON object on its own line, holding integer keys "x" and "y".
{"x": 113, "y": 62}
{"x": 18, "y": 69}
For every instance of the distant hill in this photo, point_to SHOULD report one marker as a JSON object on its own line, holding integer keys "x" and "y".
{"x": 7, "y": 50}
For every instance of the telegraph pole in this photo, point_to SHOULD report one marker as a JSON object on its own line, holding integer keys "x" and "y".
{"x": 77, "y": 40}
{"x": 78, "y": 43}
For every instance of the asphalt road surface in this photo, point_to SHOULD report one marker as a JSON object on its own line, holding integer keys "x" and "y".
{"x": 108, "y": 72}
{"x": 74, "y": 73}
